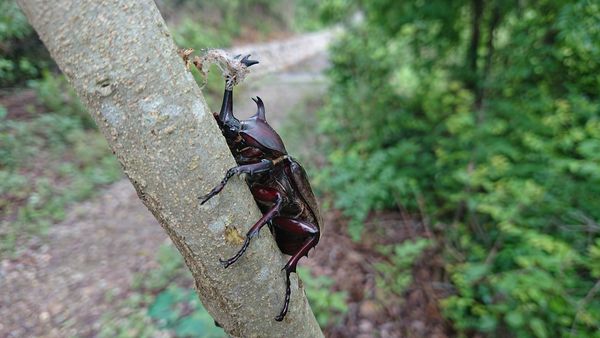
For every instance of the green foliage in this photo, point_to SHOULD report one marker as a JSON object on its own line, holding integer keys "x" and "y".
{"x": 395, "y": 275}
{"x": 171, "y": 268}
{"x": 327, "y": 305}
{"x": 21, "y": 54}
{"x": 13, "y": 24}
{"x": 46, "y": 163}
{"x": 180, "y": 310}
{"x": 162, "y": 303}
{"x": 306, "y": 15}
{"x": 131, "y": 320}
{"x": 60, "y": 98}
{"x": 233, "y": 17}
{"x": 56, "y": 158}
{"x": 209, "y": 24}
{"x": 165, "y": 301}
{"x": 190, "y": 34}
{"x": 217, "y": 31}
{"x": 175, "y": 311}
{"x": 496, "y": 133}
{"x": 371, "y": 152}
{"x": 332, "y": 11}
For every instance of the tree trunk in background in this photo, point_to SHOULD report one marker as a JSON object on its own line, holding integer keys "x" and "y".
{"x": 121, "y": 60}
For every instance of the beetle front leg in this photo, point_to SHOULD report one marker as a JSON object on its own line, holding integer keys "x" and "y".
{"x": 251, "y": 169}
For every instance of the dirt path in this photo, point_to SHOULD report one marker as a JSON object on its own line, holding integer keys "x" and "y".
{"x": 62, "y": 288}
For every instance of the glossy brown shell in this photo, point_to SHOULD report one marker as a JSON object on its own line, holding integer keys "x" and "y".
{"x": 302, "y": 187}
{"x": 262, "y": 136}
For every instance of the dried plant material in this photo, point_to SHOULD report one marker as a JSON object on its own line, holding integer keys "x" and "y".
{"x": 232, "y": 67}
{"x": 185, "y": 55}
{"x": 233, "y": 70}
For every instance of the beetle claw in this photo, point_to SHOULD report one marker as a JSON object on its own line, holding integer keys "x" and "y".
{"x": 225, "y": 262}
{"x": 204, "y": 199}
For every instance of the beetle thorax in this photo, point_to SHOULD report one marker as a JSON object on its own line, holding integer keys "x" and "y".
{"x": 259, "y": 134}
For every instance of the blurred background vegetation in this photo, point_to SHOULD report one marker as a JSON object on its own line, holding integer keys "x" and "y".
{"x": 484, "y": 117}
{"x": 478, "y": 119}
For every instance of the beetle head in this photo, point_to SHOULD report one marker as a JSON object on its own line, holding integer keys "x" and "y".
{"x": 258, "y": 133}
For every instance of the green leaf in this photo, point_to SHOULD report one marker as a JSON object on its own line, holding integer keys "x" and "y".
{"x": 162, "y": 309}
{"x": 515, "y": 319}
{"x": 538, "y": 327}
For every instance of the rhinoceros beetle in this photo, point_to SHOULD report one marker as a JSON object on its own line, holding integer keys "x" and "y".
{"x": 278, "y": 184}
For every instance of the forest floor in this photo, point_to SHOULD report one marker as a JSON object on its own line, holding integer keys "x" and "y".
{"x": 61, "y": 285}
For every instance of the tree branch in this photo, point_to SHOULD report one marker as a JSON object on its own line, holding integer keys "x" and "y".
{"x": 121, "y": 60}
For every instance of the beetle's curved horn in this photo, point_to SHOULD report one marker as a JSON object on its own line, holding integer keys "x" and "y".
{"x": 260, "y": 112}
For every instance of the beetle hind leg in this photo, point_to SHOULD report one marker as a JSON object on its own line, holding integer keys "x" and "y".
{"x": 291, "y": 267}
{"x": 288, "y": 292}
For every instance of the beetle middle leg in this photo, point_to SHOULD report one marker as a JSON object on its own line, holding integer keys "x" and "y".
{"x": 266, "y": 195}
{"x": 251, "y": 169}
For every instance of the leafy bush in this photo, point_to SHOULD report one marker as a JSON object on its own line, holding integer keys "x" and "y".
{"x": 130, "y": 321}
{"x": 489, "y": 122}
{"x": 171, "y": 309}
{"x": 22, "y": 55}
{"x": 60, "y": 98}
{"x": 45, "y": 164}
{"x": 328, "y": 306}
{"x": 173, "y": 312}
{"x": 395, "y": 275}
{"x": 165, "y": 301}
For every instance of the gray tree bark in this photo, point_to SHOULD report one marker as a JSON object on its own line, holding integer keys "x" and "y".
{"x": 121, "y": 60}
